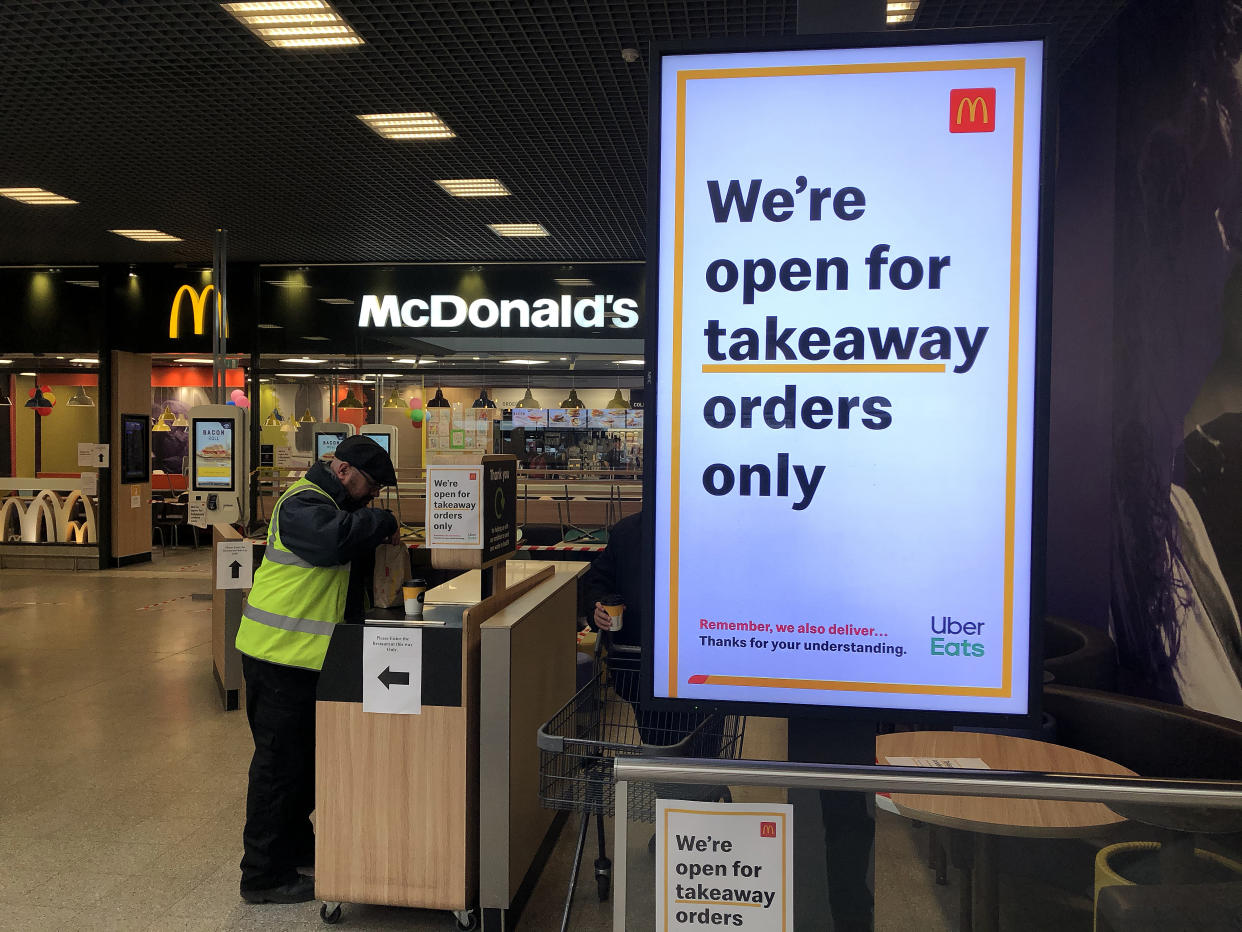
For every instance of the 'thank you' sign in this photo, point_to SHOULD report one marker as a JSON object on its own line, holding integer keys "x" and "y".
{"x": 846, "y": 349}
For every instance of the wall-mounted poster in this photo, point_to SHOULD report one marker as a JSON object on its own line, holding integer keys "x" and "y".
{"x": 530, "y": 417}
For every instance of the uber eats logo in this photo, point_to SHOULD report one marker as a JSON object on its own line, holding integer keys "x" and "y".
{"x": 951, "y": 638}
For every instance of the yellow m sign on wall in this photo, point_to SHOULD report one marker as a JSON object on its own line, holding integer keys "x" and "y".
{"x": 198, "y": 305}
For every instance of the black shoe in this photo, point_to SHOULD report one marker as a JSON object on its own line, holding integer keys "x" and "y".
{"x": 300, "y": 890}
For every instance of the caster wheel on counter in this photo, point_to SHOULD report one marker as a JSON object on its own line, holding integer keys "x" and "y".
{"x": 331, "y": 917}
{"x": 467, "y": 919}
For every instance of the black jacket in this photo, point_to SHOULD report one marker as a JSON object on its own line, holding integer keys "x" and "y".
{"x": 326, "y": 536}
{"x": 618, "y": 569}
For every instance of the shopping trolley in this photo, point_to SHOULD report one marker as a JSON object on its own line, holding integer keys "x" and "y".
{"x": 603, "y": 721}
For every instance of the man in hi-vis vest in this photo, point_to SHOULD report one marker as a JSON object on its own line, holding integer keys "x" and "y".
{"x": 302, "y": 589}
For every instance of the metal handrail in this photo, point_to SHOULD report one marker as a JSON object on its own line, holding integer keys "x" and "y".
{"x": 878, "y": 778}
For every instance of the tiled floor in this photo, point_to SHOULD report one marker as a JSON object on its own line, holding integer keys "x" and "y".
{"x": 122, "y": 781}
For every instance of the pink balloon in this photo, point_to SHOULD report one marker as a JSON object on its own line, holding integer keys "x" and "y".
{"x": 416, "y": 402}
{"x": 237, "y": 392}
{"x": 244, "y": 403}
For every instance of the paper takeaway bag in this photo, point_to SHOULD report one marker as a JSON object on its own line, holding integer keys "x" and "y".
{"x": 392, "y": 567}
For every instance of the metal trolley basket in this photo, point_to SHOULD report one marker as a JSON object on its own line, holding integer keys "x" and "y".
{"x": 602, "y": 722}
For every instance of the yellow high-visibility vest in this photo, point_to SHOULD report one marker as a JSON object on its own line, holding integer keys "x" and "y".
{"x": 293, "y": 607}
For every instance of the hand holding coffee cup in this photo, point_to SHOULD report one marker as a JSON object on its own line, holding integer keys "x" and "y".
{"x": 414, "y": 590}
{"x": 608, "y": 613}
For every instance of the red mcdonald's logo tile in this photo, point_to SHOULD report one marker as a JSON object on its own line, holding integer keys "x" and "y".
{"x": 972, "y": 110}
{"x": 767, "y": 829}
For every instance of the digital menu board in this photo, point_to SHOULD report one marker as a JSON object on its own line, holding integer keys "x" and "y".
{"x": 326, "y": 443}
{"x": 214, "y": 454}
{"x": 844, "y": 365}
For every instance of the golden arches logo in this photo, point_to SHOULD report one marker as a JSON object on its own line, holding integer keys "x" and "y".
{"x": 198, "y": 306}
{"x": 972, "y": 102}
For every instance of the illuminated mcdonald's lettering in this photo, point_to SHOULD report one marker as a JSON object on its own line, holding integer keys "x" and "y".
{"x": 973, "y": 103}
{"x": 198, "y": 305}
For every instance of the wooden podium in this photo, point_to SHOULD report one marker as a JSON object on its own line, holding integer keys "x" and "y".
{"x": 396, "y": 795}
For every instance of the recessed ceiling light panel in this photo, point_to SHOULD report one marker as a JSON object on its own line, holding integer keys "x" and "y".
{"x": 295, "y": 24}
{"x": 422, "y": 125}
{"x": 473, "y": 187}
{"x": 148, "y": 236}
{"x": 36, "y": 196}
{"x": 518, "y": 229}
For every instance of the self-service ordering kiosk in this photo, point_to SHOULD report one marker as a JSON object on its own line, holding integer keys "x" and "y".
{"x": 386, "y": 436}
{"x": 218, "y": 462}
{"x": 328, "y": 435}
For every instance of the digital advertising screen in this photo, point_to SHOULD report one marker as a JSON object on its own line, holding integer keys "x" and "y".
{"x": 214, "y": 454}
{"x": 326, "y": 443}
{"x": 844, "y": 359}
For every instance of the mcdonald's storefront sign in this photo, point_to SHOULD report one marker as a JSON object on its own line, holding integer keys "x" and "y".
{"x": 198, "y": 307}
{"x": 972, "y": 110}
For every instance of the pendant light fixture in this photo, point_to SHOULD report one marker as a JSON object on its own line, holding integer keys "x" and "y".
{"x": 272, "y": 420}
{"x": 528, "y": 400}
{"x": 180, "y": 421}
{"x": 5, "y": 400}
{"x": 573, "y": 401}
{"x": 162, "y": 421}
{"x": 81, "y": 399}
{"x": 617, "y": 401}
{"x": 349, "y": 401}
{"x": 394, "y": 400}
{"x": 307, "y": 418}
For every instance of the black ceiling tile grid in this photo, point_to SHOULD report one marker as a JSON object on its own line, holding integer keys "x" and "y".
{"x": 170, "y": 114}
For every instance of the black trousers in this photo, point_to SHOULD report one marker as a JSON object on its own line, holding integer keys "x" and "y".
{"x": 279, "y": 837}
{"x": 849, "y": 828}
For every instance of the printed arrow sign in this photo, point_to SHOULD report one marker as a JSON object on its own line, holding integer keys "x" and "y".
{"x": 392, "y": 656}
{"x": 236, "y": 568}
{"x": 392, "y": 678}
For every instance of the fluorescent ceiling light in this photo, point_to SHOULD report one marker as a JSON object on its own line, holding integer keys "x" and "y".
{"x": 320, "y": 339}
{"x": 629, "y": 362}
{"x": 31, "y": 374}
{"x": 294, "y": 375}
{"x": 337, "y": 300}
{"x": 474, "y": 187}
{"x": 423, "y": 125}
{"x": 83, "y": 359}
{"x": 270, "y": 327}
{"x": 84, "y": 284}
{"x": 36, "y": 196}
{"x": 193, "y": 360}
{"x": 901, "y": 11}
{"x": 360, "y": 381}
{"x": 295, "y": 24}
{"x": 518, "y": 229}
{"x": 303, "y": 359}
{"x": 415, "y": 362}
{"x": 524, "y": 362}
{"x": 287, "y": 283}
{"x": 148, "y": 236}
{"x": 574, "y": 282}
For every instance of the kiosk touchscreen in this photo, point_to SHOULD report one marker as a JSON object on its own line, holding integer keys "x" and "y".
{"x": 386, "y": 436}
{"x": 218, "y": 462}
{"x": 328, "y": 435}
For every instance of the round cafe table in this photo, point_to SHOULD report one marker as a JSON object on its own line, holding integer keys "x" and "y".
{"x": 985, "y": 818}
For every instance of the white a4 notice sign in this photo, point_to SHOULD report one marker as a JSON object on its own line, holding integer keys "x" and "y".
{"x": 845, "y": 359}
{"x": 726, "y": 865}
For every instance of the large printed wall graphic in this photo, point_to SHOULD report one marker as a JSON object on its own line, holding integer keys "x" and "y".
{"x": 1176, "y": 580}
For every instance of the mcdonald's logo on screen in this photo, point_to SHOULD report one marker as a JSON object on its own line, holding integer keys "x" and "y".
{"x": 198, "y": 308}
{"x": 972, "y": 110}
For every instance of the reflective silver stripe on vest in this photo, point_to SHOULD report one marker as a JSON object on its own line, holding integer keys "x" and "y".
{"x": 285, "y": 623}
{"x": 285, "y": 557}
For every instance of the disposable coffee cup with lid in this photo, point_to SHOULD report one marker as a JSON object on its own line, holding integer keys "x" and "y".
{"x": 614, "y": 605}
{"x": 414, "y": 590}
